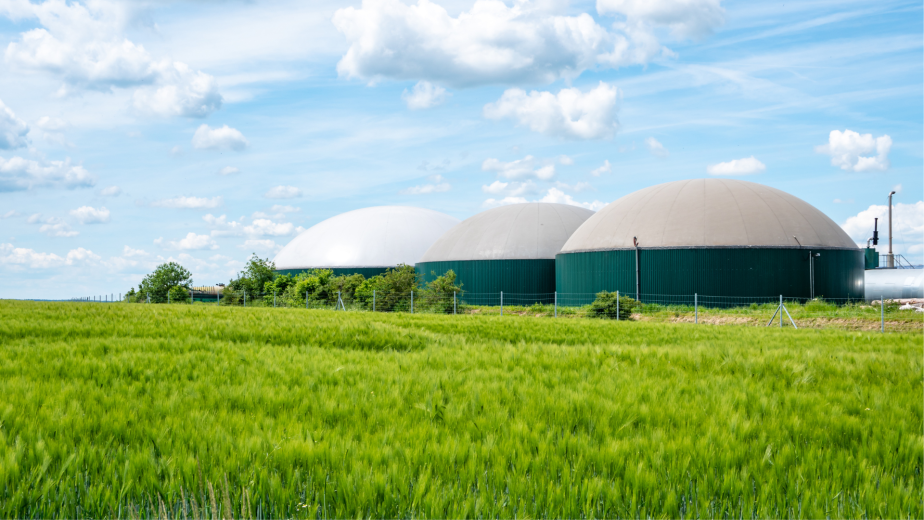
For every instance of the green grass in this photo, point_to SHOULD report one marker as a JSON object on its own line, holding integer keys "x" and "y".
{"x": 153, "y": 410}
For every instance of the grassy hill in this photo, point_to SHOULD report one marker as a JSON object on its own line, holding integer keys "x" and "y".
{"x": 206, "y": 412}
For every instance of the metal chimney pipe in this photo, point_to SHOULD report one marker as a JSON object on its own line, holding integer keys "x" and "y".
{"x": 891, "y": 256}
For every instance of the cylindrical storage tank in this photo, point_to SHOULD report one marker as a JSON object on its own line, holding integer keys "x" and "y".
{"x": 720, "y": 238}
{"x": 894, "y": 284}
{"x": 509, "y": 248}
{"x": 366, "y": 241}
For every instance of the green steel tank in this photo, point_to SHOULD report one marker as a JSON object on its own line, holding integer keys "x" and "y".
{"x": 728, "y": 241}
{"x": 510, "y": 248}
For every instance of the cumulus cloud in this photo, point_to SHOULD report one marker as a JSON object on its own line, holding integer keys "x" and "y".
{"x": 57, "y": 228}
{"x": 18, "y": 174}
{"x": 228, "y": 170}
{"x": 265, "y": 227}
{"x": 746, "y": 166}
{"x": 606, "y": 168}
{"x": 91, "y": 215}
{"x": 511, "y": 189}
{"x": 657, "y": 149}
{"x": 437, "y": 185}
{"x": 557, "y": 196}
{"x": 850, "y": 150}
{"x": 222, "y": 227}
{"x": 84, "y": 45}
{"x": 553, "y": 195}
{"x": 527, "y": 167}
{"x": 111, "y": 191}
{"x": 191, "y": 242}
{"x": 188, "y": 203}
{"x": 224, "y": 138}
{"x": 571, "y": 113}
{"x": 283, "y": 192}
{"x": 495, "y": 44}
{"x": 10, "y": 214}
{"x": 424, "y": 95}
{"x": 13, "y": 131}
{"x": 907, "y": 225}
{"x": 687, "y": 19}
{"x": 266, "y": 245}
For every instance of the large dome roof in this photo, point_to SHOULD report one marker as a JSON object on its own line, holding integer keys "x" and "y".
{"x": 381, "y": 236}
{"x": 708, "y": 213}
{"x": 519, "y": 231}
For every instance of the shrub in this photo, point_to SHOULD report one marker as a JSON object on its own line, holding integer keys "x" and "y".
{"x": 438, "y": 294}
{"x": 605, "y": 306}
{"x": 157, "y": 284}
{"x": 178, "y": 294}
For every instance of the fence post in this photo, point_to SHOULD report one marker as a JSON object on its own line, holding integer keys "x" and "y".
{"x": 556, "y": 304}
{"x": 412, "y": 302}
{"x": 373, "y": 300}
{"x": 217, "y": 296}
{"x": 881, "y": 314}
{"x": 306, "y": 299}
{"x": 502, "y": 303}
{"x": 149, "y": 297}
{"x": 695, "y": 308}
{"x": 245, "y": 298}
{"x": 781, "y": 311}
{"x": 453, "y": 302}
{"x": 339, "y": 301}
{"x": 617, "y": 305}
{"x": 274, "y": 298}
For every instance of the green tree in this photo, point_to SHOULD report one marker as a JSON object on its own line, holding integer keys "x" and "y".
{"x": 253, "y": 278}
{"x": 392, "y": 289}
{"x": 162, "y": 279}
{"x": 438, "y": 294}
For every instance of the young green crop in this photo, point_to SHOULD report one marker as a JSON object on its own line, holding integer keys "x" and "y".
{"x": 207, "y": 411}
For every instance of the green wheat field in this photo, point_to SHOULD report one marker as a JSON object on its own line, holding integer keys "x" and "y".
{"x": 206, "y": 412}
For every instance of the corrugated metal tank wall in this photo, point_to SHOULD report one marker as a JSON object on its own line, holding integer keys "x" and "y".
{"x": 731, "y": 272}
{"x": 526, "y": 277}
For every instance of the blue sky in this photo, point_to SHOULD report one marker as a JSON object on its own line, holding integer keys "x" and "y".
{"x": 133, "y": 133}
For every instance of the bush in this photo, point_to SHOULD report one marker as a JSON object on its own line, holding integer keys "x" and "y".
{"x": 605, "y": 306}
{"x": 178, "y": 294}
{"x": 392, "y": 289}
{"x": 438, "y": 294}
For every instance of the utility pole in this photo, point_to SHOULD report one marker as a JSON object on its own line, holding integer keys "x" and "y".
{"x": 891, "y": 256}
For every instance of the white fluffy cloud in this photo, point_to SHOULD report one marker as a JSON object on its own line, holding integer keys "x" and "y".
{"x": 553, "y": 195}
{"x": 265, "y": 227}
{"x": 492, "y": 43}
{"x": 437, "y": 185}
{"x": 188, "y": 203}
{"x": 111, "y": 191}
{"x": 685, "y": 18}
{"x": 557, "y": 196}
{"x": 52, "y": 226}
{"x": 747, "y": 166}
{"x": 571, "y": 113}
{"x": 606, "y": 168}
{"x": 228, "y": 170}
{"x": 13, "y": 130}
{"x": 266, "y": 245}
{"x": 224, "y": 138}
{"x": 424, "y": 95}
{"x": 91, "y": 215}
{"x": 656, "y": 148}
{"x": 850, "y": 150}
{"x": 191, "y": 242}
{"x": 84, "y": 45}
{"x": 23, "y": 257}
{"x": 511, "y": 189}
{"x": 527, "y": 167}
{"x": 283, "y": 192}
{"x": 18, "y": 174}
{"x": 907, "y": 225}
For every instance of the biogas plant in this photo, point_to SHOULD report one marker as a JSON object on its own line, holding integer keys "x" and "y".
{"x": 718, "y": 237}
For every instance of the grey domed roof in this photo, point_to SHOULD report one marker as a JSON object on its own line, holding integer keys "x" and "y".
{"x": 708, "y": 213}
{"x": 381, "y": 236}
{"x": 519, "y": 231}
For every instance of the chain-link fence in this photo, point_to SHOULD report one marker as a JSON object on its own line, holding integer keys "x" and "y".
{"x": 776, "y": 311}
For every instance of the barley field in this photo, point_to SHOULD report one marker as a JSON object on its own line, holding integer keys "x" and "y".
{"x": 206, "y": 412}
